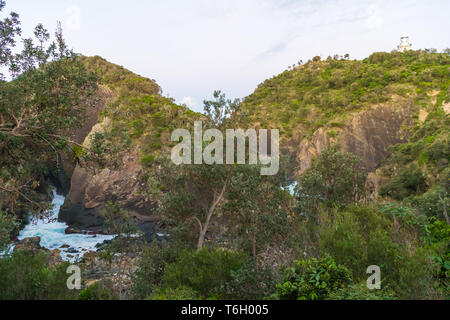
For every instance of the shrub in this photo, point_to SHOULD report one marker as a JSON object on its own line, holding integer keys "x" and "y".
{"x": 98, "y": 291}
{"x": 438, "y": 237}
{"x": 26, "y": 276}
{"x": 151, "y": 267}
{"x": 249, "y": 283}
{"x": 7, "y": 225}
{"x": 313, "y": 279}
{"x": 359, "y": 237}
{"x": 205, "y": 271}
{"x": 148, "y": 160}
{"x": 410, "y": 181}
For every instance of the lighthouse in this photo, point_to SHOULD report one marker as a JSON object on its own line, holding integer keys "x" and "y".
{"x": 404, "y": 45}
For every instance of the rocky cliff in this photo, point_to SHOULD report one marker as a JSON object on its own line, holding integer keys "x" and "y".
{"x": 129, "y": 125}
{"x": 365, "y": 106}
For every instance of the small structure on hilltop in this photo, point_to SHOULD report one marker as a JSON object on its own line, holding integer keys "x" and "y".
{"x": 404, "y": 45}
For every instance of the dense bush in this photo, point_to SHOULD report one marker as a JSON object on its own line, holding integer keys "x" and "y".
{"x": 334, "y": 178}
{"x": 361, "y": 236}
{"x": 438, "y": 237}
{"x": 249, "y": 282}
{"x": 26, "y": 276}
{"x": 410, "y": 181}
{"x": 205, "y": 271}
{"x": 151, "y": 267}
{"x": 98, "y": 291}
{"x": 313, "y": 279}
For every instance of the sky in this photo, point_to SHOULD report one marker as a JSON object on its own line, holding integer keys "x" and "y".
{"x": 192, "y": 48}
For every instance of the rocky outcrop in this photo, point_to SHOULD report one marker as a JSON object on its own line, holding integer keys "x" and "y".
{"x": 34, "y": 245}
{"x": 63, "y": 166}
{"x": 89, "y": 193}
{"x": 367, "y": 134}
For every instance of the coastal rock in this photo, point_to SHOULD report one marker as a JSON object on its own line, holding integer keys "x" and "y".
{"x": 33, "y": 244}
{"x": 89, "y": 193}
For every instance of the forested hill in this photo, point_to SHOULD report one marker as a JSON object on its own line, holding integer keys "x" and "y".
{"x": 353, "y": 102}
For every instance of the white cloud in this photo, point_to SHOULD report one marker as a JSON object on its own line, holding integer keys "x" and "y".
{"x": 374, "y": 19}
{"x": 189, "y": 102}
{"x": 73, "y": 21}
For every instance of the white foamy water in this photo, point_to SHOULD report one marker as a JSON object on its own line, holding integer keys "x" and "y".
{"x": 52, "y": 234}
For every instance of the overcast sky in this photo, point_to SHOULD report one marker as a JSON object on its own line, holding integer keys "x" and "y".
{"x": 193, "y": 47}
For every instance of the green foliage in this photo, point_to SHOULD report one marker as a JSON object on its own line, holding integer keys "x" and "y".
{"x": 333, "y": 178}
{"x": 313, "y": 279}
{"x": 148, "y": 160}
{"x": 151, "y": 268}
{"x": 360, "y": 236}
{"x": 180, "y": 293}
{"x": 249, "y": 282}
{"x": 361, "y": 292}
{"x": 39, "y": 106}
{"x": 418, "y": 170}
{"x": 220, "y": 109}
{"x": 410, "y": 181}
{"x": 338, "y": 86}
{"x": 8, "y": 224}
{"x": 257, "y": 207}
{"x": 204, "y": 271}
{"x": 26, "y": 276}
{"x": 101, "y": 290}
{"x": 404, "y": 214}
{"x": 438, "y": 237}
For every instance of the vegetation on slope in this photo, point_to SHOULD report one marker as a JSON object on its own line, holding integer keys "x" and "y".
{"x": 321, "y": 93}
{"x": 140, "y": 116}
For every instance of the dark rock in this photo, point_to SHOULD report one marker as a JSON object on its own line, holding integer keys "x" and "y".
{"x": 70, "y": 230}
{"x": 78, "y": 217}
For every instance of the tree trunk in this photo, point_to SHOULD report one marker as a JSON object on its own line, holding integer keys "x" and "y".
{"x": 204, "y": 228}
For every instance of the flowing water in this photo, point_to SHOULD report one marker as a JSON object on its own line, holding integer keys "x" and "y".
{"x": 53, "y": 236}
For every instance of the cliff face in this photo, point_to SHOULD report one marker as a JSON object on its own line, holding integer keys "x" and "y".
{"x": 61, "y": 169}
{"x": 367, "y": 134}
{"x": 89, "y": 193}
{"x": 126, "y": 128}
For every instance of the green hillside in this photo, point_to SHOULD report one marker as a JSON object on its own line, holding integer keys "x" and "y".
{"x": 140, "y": 116}
{"x": 321, "y": 93}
